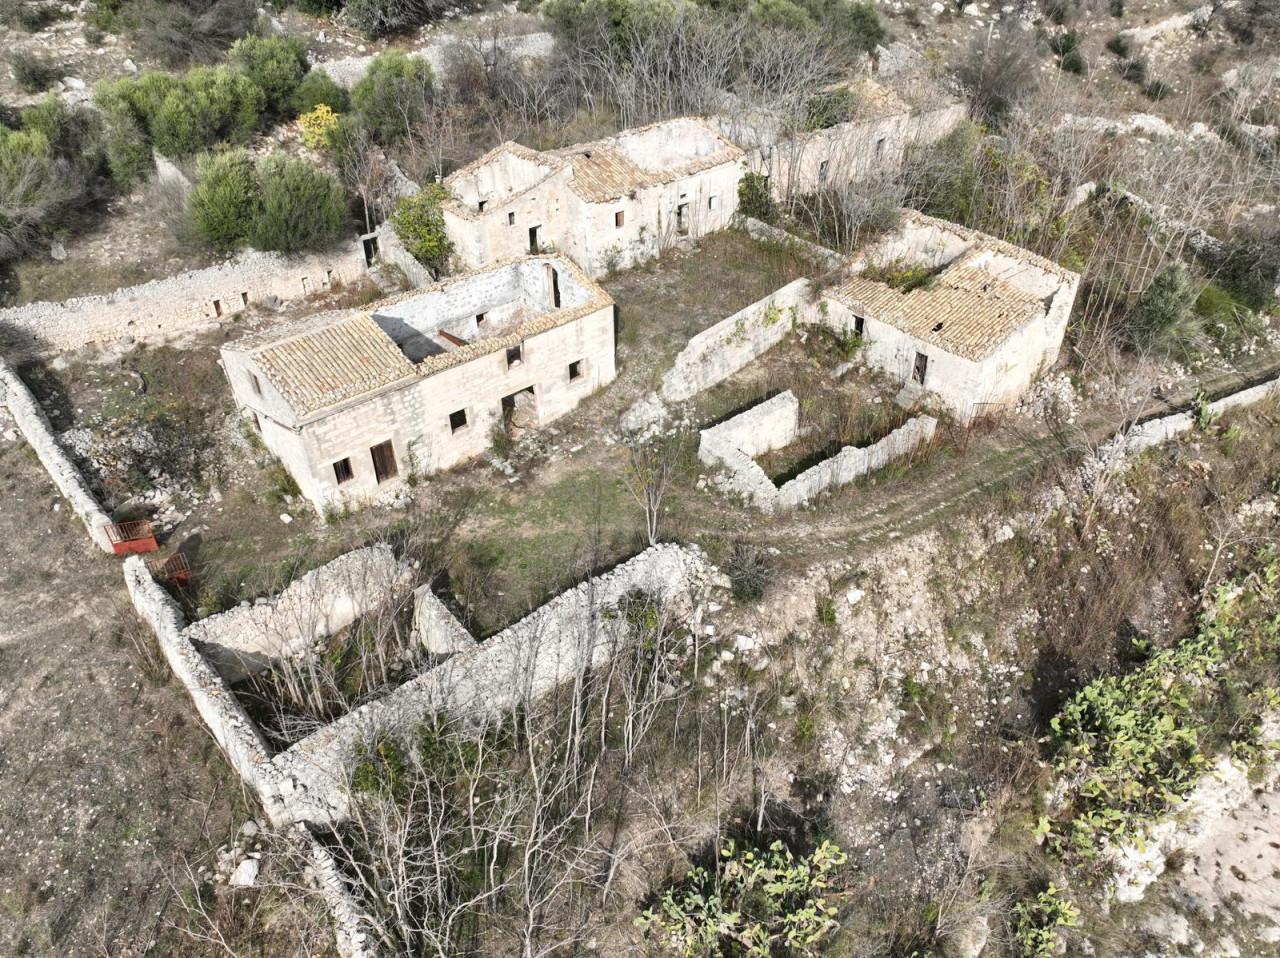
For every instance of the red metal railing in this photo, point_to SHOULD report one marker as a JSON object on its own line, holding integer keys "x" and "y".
{"x": 174, "y": 568}
{"x": 132, "y": 538}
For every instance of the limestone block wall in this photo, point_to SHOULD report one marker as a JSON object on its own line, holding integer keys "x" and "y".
{"x": 223, "y": 715}
{"x": 851, "y": 462}
{"x": 348, "y": 71}
{"x": 715, "y": 354}
{"x": 774, "y": 424}
{"x": 253, "y": 637}
{"x": 435, "y": 626}
{"x": 163, "y": 308}
{"x": 391, "y": 250}
{"x": 546, "y": 648}
{"x": 39, "y": 434}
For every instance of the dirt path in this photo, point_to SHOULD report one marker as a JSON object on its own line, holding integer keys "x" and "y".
{"x": 110, "y": 781}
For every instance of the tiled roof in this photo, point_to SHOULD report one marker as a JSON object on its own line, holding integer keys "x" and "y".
{"x": 986, "y": 241}
{"x": 964, "y": 310}
{"x": 332, "y": 358}
{"x": 327, "y": 359}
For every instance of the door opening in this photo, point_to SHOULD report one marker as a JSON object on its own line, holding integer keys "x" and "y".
{"x": 370, "y": 250}
{"x": 519, "y": 412}
{"x": 553, "y": 286}
{"x": 533, "y": 238}
{"x": 921, "y": 367}
{"x": 384, "y": 461}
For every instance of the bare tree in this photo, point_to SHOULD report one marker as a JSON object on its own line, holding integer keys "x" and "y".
{"x": 653, "y": 464}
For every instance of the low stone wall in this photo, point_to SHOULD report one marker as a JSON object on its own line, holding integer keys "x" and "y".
{"x": 715, "y": 354}
{"x": 736, "y": 442}
{"x": 223, "y": 715}
{"x": 764, "y": 232}
{"x": 350, "y": 922}
{"x": 348, "y": 71}
{"x": 164, "y": 308}
{"x": 436, "y": 627}
{"x": 527, "y": 660}
{"x": 773, "y": 424}
{"x": 39, "y": 434}
{"x": 852, "y": 462}
{"x": 1154, "y": 432}
{"x": 253, "y": 638}
{"x": 392, "y": 252}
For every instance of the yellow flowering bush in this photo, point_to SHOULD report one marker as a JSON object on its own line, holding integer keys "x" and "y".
{"x": 317, "y": 125}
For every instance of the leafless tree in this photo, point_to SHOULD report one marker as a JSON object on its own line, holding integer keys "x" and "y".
{"x": 653, "y": 464}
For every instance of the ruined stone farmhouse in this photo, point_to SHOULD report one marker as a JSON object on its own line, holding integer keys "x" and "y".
{"x": 354, "y": 402}
{"x": 978, "y": 320}
{"x": 873, "y": 137}
{"x": 608, "y": 204}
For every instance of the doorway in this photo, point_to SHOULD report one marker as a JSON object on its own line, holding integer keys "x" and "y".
{"x": 921, "y": 367}
{"x": 519, "y": 412}
{"x": 682, "y": 218}
{"x": 370, "y": 249}
{"x": 553, "y": 286}
{"x": 384, "y": 461}
{"x": 533, "y": 239}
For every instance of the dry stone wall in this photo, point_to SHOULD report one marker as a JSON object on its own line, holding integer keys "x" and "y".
{"x": 546, "y": 648}
{"x": 223, "y": 715}
{"x": 348, "y": 71}
{"x": 39, "y": 434}
{"x": 253, "y": 637}
{"x": 164, "y": 308}
{"x": 717, "y": 353}
{"x": 773, "y": 424}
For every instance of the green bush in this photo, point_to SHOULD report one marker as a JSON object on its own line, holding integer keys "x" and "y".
{"x": 758, "y": 901}
{"x": 749, "y": 572}
{"x": 318, "y": 87}
{"x": 182, "y": 115}
{"x": 392, "y": 96}
{"x": 1157, "y": 90}
{"x": 301, "y": 207}
{"x": 780, "y": 13}
{"x": 829, "y": 109}
{"x": 1073, "y": 62}
{"x": 419, "y": 222}
{"x": 1163, "y": 319}
{"x": 28, "y": 15}
{"x": 277, "y": 65}
{"x": 128, "y": 151}
{"x": 380, "y": 17}
{"x": 1134, "y": 70}
{"x": 1038, "y": 921}
{"x": 852, "y": 24}
{"x": 225, "y": 202}
{"x": 754, "y": 198}
{"x": 1118, "y": 45}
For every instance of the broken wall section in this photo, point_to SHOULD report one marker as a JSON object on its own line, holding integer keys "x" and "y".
{"x": 39, "y": 434}
{"x": 164, "y": 308}
{"x": 550, "y": 646}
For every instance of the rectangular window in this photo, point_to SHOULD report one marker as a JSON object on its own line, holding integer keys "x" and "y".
{"x": 575, "y": 370}
{"x": 822, "y": 171}
{"x": 619, "y": 218}
{"x": 457, "y": 420}
{"x": 257, "y": 423}
{"x": 859, "y": 324}
{"x": 217, "y": 307}
{"x": 342, "y": 470}
{"x": 480, "y": 205}
{"x": 384, "y": 461}
{"x": 515, "y": 355}
{"x": 480, "y": 318}
{"x": 244, "y": 298}
{"x": 306, "y": 286}
{"x": 713, "y": 201}
{"x": 920, "y": 369}
{"x": 256, "y": 384}
{"x": 511, "y": 219}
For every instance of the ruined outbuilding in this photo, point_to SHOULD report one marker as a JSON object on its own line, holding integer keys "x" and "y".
{"x": 608, "y": 204}
{"x": 355, "y": 402}
{"x": 955, "y": 313}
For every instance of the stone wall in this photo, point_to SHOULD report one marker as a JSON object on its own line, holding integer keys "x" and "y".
{"x": 852, "y": 462}
{"x": 546, "y": 648}
{"x": 223, "y": 715}
{"x": 774, "y": 424}
{"x": 715, "y": 354}
{"x": 392, "y": 252}
{"x": 164, "y": 308}
{"x": 348, "y": 71}
{"x": 436, "y": 627}
{"x": 39, "y": 434}
{"x": 253, "y": 637}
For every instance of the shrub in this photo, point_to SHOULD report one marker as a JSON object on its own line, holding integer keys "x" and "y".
{"x": 277, "y": 65}
{"x": 33, "y": 73}
{"x": 1163, "y": 320}
{"x": 749, "y": 572}
{"x": 208, "y": 105}
{"x": 829, "y": 109}
{"x": 319, "y": 8}
{"x": 1038, "y": 921}
{"x": 380, "y": 17}
{"x": 1000, "y": 70}
{"x": 318, "y": 87}
{"x": 1134, "y": 70}
{"x": 392, "y": 96}
{"x": 1118, "y": 45}
{"x": 756, "y": 902}
{"x": 36, "y": 188}
{"x": 1064, "y": 43}
{"x": 1157, "y": 90}
{"x": 225, "y": 201}
{"x": 1073, "y": 62}
{"x": 29, "y": 15}
{"x": 317, "y": 126}
{"x": 780, "y": 13}
{"x": 179, "y": 33}
{"x": 128, "y": 152}
{"x": 300, "y": 207}
{"x": 754, "y": 198}
{"x": 419, "y": 222}
{"x": 854, "y": 25}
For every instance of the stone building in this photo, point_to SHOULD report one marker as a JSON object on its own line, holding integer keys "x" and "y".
{"x": 875, "y": 129}
{"x": 954, "y": 312}
{"x": 354, "y": 402}
{"x": 608, "y": 204}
